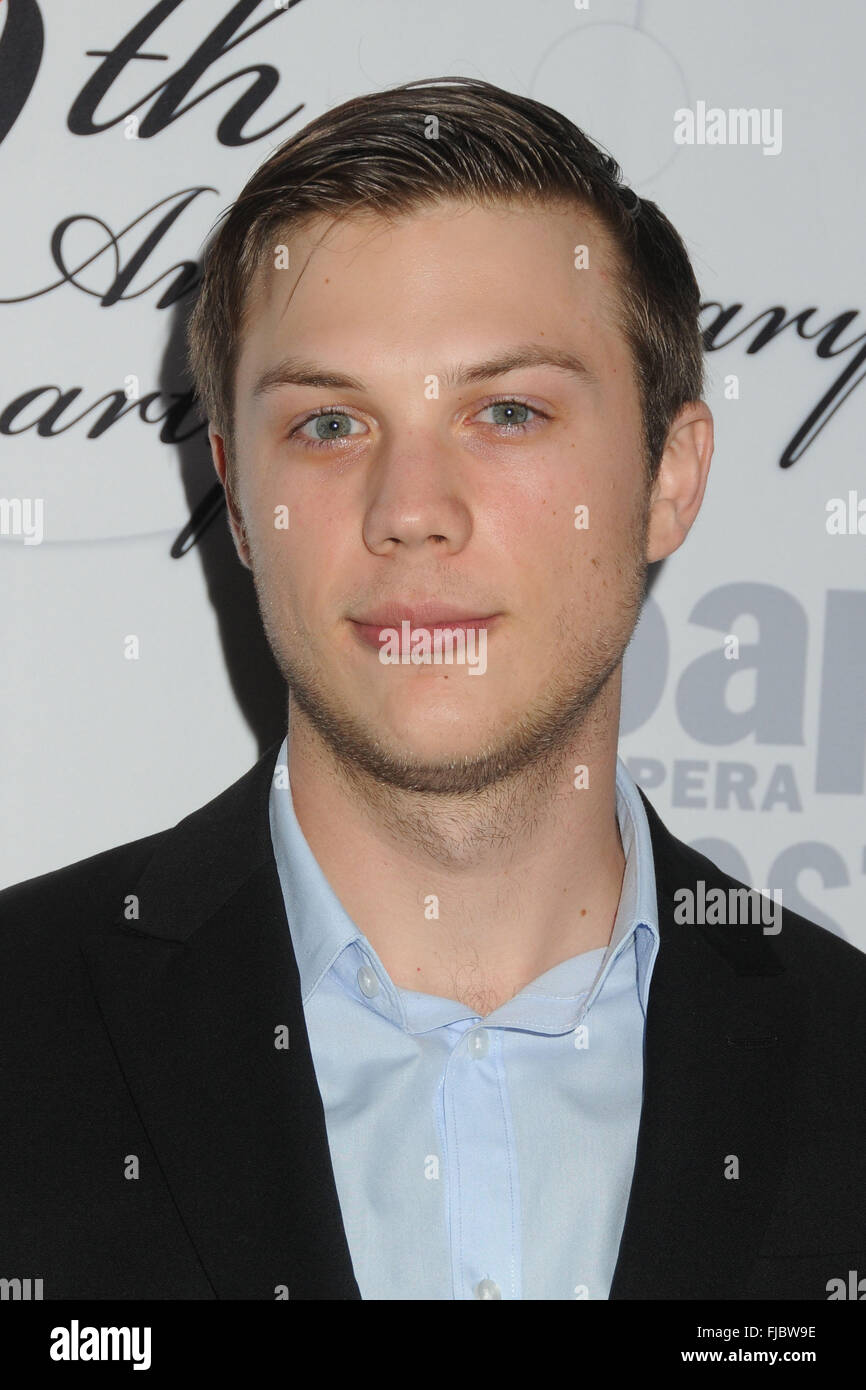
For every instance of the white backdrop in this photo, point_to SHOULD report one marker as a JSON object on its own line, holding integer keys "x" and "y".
{"x": 121, "y": 143}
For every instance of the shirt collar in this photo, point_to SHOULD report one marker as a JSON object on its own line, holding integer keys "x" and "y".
{"x": 321, "y": 928}
{"x": 319, "y": 924}
{"x": 637, "y": 913}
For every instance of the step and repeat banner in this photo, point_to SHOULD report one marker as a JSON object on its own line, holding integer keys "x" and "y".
{"x": 127, "y": 127}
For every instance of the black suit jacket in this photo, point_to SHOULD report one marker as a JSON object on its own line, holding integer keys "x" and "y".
{"x": 147, "y": 1046}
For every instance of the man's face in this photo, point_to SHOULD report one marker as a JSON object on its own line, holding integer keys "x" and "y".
{"x": 417, "y": 488}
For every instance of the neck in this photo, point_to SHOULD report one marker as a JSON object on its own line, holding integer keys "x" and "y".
{"x": 471, "y": 897}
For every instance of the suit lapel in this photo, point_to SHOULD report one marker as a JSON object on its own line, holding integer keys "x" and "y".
{"x": 193, "y": 994}
{"x": 193, "y": 991}
{"x": 720, "y": 1055}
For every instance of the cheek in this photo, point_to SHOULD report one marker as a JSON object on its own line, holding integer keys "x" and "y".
{"x": 271, "y": 507}
{"x": 568, "y": 518}
{"x": 586, "y": 547}
{"x": 304, "y": 561}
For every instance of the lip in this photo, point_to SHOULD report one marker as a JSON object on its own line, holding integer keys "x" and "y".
{"x": 430, "y": 613}
{"x": 430, "y": 616}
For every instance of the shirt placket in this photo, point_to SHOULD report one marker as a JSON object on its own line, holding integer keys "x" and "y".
{"x": 480, "y": 1165}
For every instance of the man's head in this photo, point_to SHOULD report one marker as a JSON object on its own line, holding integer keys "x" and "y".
{"x": 501, "y": 337}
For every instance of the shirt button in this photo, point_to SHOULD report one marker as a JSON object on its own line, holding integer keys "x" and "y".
{"x": 479, "y": 1045}
{"x": 367, "y": 982}
{"x": 487, "y": 1289}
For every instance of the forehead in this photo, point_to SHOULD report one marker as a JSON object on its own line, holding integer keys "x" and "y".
{"x": 434, "y": 284}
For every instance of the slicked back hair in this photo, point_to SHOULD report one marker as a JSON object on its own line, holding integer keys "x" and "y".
{"x": 452, "y": 138}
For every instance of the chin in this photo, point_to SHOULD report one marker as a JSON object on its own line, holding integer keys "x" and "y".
{"x": 433, "y": 744}
{"x": 430, "y": 711}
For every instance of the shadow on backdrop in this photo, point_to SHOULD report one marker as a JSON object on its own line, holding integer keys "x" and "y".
{"x": 255, "y": 679}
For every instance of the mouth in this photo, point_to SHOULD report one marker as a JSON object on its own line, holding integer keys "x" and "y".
{"x": 374, "y": 631}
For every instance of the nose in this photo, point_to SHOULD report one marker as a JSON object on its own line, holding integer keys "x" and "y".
{"x": 417, "y": 499}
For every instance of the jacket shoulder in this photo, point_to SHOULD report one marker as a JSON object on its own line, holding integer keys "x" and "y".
{"x": 800, "y": 943}
{"x": 54, "y": 904}
{"x": 812, "y": 956}
{"x": 50, "y": 910}
{"x": 820, "y": 968}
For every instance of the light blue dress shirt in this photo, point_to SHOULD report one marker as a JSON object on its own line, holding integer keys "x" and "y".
{"x": 476, "y": 1157}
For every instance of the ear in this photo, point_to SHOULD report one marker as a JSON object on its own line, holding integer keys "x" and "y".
{"x": 681, "y": 479}
{"x": 220, "y": 461}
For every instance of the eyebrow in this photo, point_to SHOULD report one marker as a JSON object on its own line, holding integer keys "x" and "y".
{"x": 295, "y": 371}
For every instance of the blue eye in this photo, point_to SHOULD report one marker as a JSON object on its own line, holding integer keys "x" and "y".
{"x": 510, "y": 414}
{"x": 328, "y": 425}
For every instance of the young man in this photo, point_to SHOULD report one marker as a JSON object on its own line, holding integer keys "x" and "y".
{"x": 407, "y": 1013}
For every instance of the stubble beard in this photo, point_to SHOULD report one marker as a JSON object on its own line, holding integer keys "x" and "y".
{"x": 494, "y": 789}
